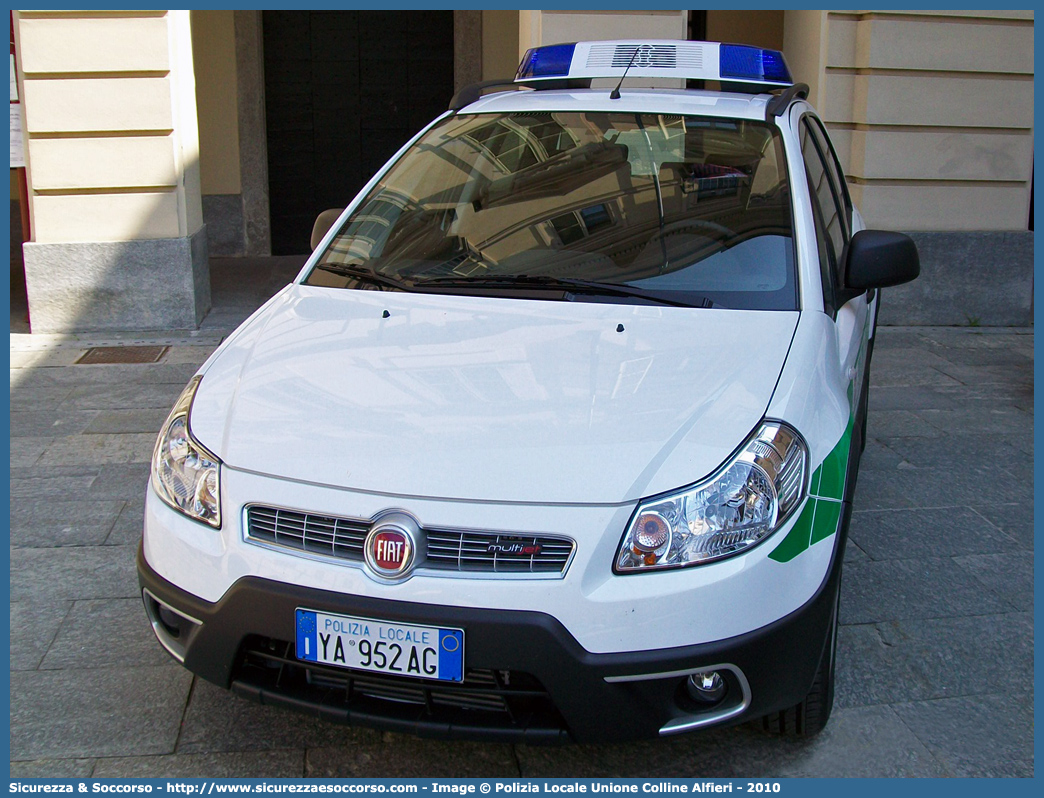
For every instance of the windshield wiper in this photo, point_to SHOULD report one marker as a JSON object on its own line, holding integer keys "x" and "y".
{"x": 364, "y": 273}
{"x": 569, "y": 284}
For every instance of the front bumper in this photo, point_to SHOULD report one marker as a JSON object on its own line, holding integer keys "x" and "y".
{"x": 530, "y": 680}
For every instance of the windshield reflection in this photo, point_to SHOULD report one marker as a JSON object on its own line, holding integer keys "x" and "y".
{"x": 687, "y": 206}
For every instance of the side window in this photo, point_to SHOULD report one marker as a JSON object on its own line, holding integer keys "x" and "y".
{"x": 829, "y": 234}
{"x": 829, "y": 202}
{"x": 827, "y": 262}
{"x": 834, "y": 171}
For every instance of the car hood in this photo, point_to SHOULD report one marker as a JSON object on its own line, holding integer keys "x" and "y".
{"x": 480, "y": 398}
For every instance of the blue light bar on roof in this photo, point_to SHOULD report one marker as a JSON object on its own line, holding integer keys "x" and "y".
{"x": 661, "y": 58}
{"x": 546, "y": 62}
{"x": 741, "y": 62}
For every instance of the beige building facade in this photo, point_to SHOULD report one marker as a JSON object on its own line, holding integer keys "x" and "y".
{"x": 158, "y": 139}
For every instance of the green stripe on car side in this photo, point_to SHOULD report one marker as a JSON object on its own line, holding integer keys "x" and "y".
{"x": 831, "y": 481}
{"x": 818, "y": 520}
{"x": 797, "y": 538}
{"x": 827, "y": 515}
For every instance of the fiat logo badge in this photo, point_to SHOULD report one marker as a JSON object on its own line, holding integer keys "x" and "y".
{"x": 390, "y": 548}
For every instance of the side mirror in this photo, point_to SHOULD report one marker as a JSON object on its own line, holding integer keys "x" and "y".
{"x": 323, "y": 223}
{"x": 877, "y": 259}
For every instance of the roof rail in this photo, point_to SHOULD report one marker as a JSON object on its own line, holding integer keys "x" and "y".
{"x": 473, "y": 91}
{"x": 778, "y": 104}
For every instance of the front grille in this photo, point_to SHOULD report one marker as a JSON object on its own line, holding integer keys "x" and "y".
{"x": 447, "y": 549}
{"x": 485, "y": 700}
{"x": 319, "y": 534}
{"x": 490, "y": 552}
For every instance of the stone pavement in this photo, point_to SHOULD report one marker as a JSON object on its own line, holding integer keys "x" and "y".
{"x": 935, "y": 653}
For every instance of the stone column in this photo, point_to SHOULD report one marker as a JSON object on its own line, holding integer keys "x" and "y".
{"x": 113, "y": 169}
{"x": 805, "y": 46}
{"x": 467, "y": 48}
{"x": 253, "y": 137}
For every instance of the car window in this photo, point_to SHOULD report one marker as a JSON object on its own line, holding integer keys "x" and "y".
{"x": 827, "y": 216}
{"x": 827, "y": 260}
{"x": 824, "y": 190}
{"x": 834, "y": 170}
{"x": 689, "y": 207}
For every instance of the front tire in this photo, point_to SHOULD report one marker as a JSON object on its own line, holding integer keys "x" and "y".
{"x": 810, "y": 716}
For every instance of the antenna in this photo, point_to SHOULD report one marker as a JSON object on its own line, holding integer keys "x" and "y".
{"x": 615, "y": 93}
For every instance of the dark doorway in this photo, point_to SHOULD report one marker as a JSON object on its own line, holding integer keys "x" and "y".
{"x": 697, "y": 32}
{"x": 697, "y": 26}
{"x": 343, "y": 91}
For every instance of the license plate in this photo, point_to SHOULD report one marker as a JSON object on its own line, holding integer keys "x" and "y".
{"x": 426, "y": 652}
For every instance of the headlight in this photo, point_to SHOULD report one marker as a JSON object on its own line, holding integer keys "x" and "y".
{"x": 184, "y": 474}
{"x": 747, "y": 500}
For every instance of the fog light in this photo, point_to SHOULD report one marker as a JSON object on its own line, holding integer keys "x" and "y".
{"x": 171, "y": 620}
{"x": 173, "y": 628}
{"x": 707, "y": 688}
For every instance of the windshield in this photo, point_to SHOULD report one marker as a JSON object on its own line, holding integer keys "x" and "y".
{"x": 619, "y": 207}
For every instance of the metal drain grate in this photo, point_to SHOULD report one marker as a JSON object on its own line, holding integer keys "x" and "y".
{"x": 101, "y": 355}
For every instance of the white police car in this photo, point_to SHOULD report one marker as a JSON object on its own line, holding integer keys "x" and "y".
{"x": 555, "y": 435}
